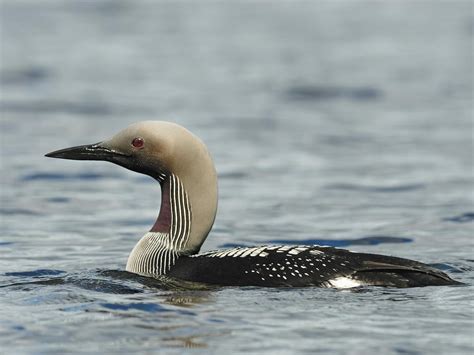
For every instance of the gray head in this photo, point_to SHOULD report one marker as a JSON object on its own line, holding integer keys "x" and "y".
{"x": 161, "y": 149}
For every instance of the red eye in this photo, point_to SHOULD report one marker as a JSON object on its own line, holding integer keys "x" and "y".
{"x": 138, "y": 142}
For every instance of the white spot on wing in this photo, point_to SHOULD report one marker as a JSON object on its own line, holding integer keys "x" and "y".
{"x": 294, "y": 252}
{"x": 344, "y": 282}
{"x": 284, "y": 248}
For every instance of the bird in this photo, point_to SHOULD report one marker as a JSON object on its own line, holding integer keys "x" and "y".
{"x": 184, "y": 168}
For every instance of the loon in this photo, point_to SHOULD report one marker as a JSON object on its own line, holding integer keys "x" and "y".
{"x": 182, "y": 165}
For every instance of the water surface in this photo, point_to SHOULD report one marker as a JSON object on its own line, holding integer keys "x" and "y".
{"x": 343, "y": 123}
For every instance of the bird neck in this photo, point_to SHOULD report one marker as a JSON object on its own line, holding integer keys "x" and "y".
{"x": 153, "y": 255}
{"x": 157, "y": 251}
{"x": 186, "y": 217}
{"x": 175, "y": 218}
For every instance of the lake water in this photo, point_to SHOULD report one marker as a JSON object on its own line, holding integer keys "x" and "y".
{"x": 345, "y": 123}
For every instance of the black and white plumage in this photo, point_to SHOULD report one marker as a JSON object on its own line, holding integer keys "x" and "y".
{"x": 180, "y": 162}
{"x": 298, "y": 266}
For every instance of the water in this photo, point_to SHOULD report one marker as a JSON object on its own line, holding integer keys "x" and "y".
{"x": 344, "y": 122}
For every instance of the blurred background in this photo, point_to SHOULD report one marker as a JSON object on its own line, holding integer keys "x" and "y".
{"x": 327, "y": 120}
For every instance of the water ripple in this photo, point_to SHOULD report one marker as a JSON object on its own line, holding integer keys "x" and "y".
{"x": 145, "y": 307}
{"x": 396, "y": 188}
{"x": 319, "y": 93}
{"x": 28, "y": 75}
{"x": 463, "y": 218}
{"x": 89, "y": 108}
{"x": 35, "y": 273}
{"x": 66, "y": 176}
{"x": 18, "y": 211}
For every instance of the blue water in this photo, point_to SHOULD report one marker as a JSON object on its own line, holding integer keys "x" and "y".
{"x": 337, "y": 122}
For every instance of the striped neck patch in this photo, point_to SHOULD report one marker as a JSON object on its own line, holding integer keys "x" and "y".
{"x": 158, "y": 249}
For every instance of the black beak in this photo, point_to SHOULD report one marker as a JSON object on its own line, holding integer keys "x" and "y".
{"x": 88, "y": 152}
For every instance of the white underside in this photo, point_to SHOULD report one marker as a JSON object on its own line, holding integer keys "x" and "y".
{"x": 344, "y": 282}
